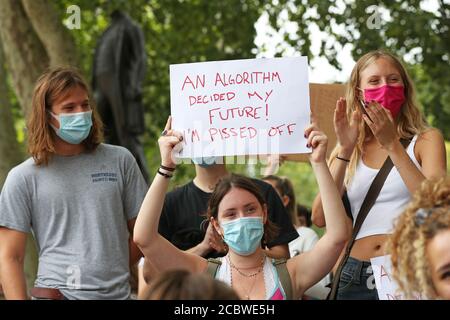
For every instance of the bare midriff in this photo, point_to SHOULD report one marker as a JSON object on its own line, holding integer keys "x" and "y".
{"x": 369, "y": 247}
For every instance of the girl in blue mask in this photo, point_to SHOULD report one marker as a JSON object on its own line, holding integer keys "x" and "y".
{"x": 239, "y": 214}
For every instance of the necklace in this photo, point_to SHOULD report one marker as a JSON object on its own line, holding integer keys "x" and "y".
{"x": 254, "y": 275}
{"x": 260, "y": 268}
{"x": 247, "y": 293}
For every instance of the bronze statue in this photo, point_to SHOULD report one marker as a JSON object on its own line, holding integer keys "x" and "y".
{"x": 119, "y": 69}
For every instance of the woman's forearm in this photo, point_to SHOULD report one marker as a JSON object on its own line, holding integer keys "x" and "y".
{"x": 338, "y": 169}
{"x": 333, "y": 209}
{"x": 411, "y": 175}
{"x": 146, "y": 227}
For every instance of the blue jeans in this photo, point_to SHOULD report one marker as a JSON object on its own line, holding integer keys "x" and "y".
{"x": 357, "y": 281}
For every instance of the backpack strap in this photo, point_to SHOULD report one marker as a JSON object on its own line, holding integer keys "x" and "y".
{"x": 285, "y": 278}
{"x": 213, "y": 266}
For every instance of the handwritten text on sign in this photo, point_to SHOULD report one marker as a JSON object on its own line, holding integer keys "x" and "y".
{"x": 239, "y": 107}
{"x": 386, "y": 286}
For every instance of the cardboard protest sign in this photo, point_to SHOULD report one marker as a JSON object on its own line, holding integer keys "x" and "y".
{"x": 323, "y": 99}
{"x": 386, "y": 286}
{"x": 241, "y": 107}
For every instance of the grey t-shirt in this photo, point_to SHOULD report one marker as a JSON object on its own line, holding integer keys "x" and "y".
{"x": 77, "y": 208}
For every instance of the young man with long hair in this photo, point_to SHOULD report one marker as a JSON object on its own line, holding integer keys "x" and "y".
{"x": 78, "y": 196}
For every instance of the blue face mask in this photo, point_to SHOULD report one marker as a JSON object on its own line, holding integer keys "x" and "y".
{"x": 73, "y": 127}
{"x": 243, "y": 235}
{"x": 206, "y": 162}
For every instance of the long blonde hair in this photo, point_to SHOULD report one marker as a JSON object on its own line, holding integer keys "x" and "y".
{"x": 410, "y": 120}
{"x": 50, "y": 86}
{"x": 407, "y": 245}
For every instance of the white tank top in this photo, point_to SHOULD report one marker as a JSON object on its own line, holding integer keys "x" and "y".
{"x": 393, "y": 197}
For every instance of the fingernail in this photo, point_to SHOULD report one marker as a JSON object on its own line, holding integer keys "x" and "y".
{"x": 308, "y": 145}
{"x": 181, "y": 138}
{"x": 305, "y": 135}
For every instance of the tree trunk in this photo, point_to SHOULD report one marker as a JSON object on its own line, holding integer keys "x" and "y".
{"x": 33, "y": 38}
{"x": 26, "y": 59}
{"x": 24, "y": 53}
{"x": 11, "y": 155}
{"x": 56, "y": 38}
{"x": 10, "y": 152}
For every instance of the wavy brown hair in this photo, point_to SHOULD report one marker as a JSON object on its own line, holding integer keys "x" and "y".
{"x": 240, "y": 182}
{"x": 407, "y": 245}
{"x": 52, "y": 85}
{"x": 410, "y": 121}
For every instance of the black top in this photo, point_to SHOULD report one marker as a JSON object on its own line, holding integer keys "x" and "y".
{"x": 185, "y": 209}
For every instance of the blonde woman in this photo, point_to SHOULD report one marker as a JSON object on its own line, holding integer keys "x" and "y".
{"x": 378, "y": 110}
{"x": 238, "y": 212}
{"x": 420, "y": 244}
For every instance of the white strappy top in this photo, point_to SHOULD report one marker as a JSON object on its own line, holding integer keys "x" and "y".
{"x": 393, "y": 197}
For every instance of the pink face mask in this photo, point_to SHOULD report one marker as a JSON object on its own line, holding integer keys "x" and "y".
{"x": 390, "y": 97}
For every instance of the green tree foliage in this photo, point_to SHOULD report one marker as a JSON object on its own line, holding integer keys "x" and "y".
{"x": 402, "y": 27}
{"x": 179, "y": 31}
{"x": 176, "y": 31}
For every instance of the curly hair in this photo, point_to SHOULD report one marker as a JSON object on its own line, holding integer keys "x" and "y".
{"x": 426, "y": 215}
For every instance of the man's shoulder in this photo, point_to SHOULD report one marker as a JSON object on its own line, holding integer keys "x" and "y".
{"x": 106, "y": 147}
{"x": 21, "y": 173}
{"x": 114, "y": 151}
{"x": 26, "y": 168}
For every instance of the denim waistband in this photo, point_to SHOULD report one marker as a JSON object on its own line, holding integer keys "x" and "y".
{"x": 354, "y": 261}
{"x": 359, "y": 269}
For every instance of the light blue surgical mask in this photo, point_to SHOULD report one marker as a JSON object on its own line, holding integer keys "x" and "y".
{"x": 243, "y": 235}
{"x": 73, "y": 127}
{"x": 206, "y": 162}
